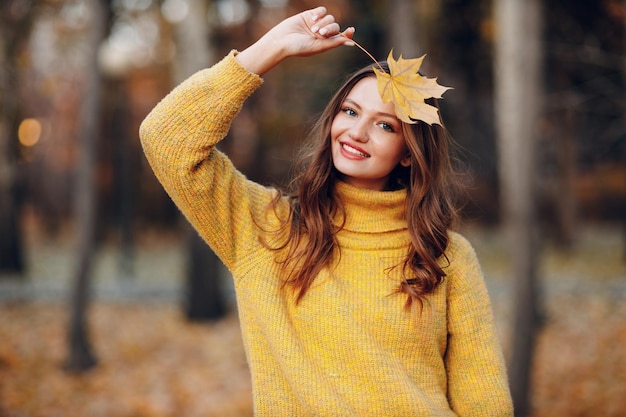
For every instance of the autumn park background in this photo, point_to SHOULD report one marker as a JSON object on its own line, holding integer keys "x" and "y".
{"x": 111, "y": 306}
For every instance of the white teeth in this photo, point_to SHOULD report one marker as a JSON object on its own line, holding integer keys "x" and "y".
{"x": 354, "y": 151}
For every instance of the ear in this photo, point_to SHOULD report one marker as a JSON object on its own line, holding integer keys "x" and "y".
{"x": 406, "y": 161}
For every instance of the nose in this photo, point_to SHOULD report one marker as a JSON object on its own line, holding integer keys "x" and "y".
{"x": 359, "y": 131}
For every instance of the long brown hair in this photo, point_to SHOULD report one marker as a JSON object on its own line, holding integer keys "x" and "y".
{"x": 430, "y": 184}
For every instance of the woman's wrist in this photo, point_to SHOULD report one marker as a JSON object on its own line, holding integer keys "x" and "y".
{"x": 262, "y": 55}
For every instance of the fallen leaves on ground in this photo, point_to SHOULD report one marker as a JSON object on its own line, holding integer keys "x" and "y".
{"x": 581, "y": 358}
{"x": 152, "y": 363}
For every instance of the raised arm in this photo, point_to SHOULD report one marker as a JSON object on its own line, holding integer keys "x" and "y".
{"x": 179, "y": 134}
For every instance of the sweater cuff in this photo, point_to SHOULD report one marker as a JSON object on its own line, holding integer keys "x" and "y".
{"x": 239, "y": 78}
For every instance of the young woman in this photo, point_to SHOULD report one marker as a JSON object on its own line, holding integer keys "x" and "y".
{"x": 354, "y": 297}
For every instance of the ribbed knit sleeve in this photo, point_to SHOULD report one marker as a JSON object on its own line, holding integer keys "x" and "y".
{"x": 178, "y": 138}
{"x": 477, "y": 380}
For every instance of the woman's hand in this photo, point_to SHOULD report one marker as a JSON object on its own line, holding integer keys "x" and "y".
{"x": 307, "y": 33}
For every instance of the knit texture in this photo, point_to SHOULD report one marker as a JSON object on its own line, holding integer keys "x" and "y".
{"x": 349, "y": 348}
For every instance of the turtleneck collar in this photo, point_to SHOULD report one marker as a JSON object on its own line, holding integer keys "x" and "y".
{"x": 371, "y": 211}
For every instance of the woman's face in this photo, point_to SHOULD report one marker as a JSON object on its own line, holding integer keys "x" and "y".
{"x": 367, "y": 139}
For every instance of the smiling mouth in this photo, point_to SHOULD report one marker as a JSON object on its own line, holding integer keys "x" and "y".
{"x": 353, "y": 151}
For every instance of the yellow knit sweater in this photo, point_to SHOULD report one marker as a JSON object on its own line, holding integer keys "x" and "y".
{"x": 349, "y": 348}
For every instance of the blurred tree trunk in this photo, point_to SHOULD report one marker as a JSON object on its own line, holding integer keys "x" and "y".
{"x": 16, "y": 17}
{"x": 204, "y": 300}
{"x": 566, "y": 170}
{"x": 124, "y": 189}
{"x": 80, "y": 354}
{"x": 517, "y": 103}
{"x": 624, "y": 118}
{"x": 402, "y": 24}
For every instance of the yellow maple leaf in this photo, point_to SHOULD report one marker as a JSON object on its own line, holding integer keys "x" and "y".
{"x": 407, "y": 90}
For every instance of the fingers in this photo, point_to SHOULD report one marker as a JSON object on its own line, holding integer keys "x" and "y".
{"x": 347, "y": 34}
{"x": 326, "y": 26}
{"x": 315, "y": 14}
{"x": 325, "y": 33}
{"x": 323, "y": 23}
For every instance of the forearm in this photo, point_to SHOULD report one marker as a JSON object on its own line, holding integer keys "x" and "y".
{"x": 197, "y": 113}
{"x": 262, "y": 56}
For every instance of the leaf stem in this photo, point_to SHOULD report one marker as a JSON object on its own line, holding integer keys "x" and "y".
{"x": 365, "y": 50}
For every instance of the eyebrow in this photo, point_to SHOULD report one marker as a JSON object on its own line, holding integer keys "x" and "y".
{"x": 354, "y": 103}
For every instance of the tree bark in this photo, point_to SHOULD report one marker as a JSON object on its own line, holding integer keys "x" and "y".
{"x": 517, "y": 103}
{"x": 80, "y": 354}
{"x": 203, "y": 300}
{"x": 16, "y": 19}
{"x": 124, "y": 186}
{"x": 402, "y": 23}
{"x": 624, "y": 120}
{"x": 565, "y": 199}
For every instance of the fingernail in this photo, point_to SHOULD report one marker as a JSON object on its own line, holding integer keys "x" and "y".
{"x": 314, "y": 17}
{"x": 323, "y": 31}
{"x": 314, "y": 29}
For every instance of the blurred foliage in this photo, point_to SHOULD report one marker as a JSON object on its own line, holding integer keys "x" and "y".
{"x": 585, "y": 100}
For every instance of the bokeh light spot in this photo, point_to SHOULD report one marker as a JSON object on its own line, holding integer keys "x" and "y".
{"x": 29, "y": 132}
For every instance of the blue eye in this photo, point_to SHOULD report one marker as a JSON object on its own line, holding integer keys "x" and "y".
{"x": 349, "y": 111}
{"x": 387, "y": 127}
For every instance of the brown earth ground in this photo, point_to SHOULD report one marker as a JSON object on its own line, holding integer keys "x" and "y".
{"x": 153, "y": 363}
